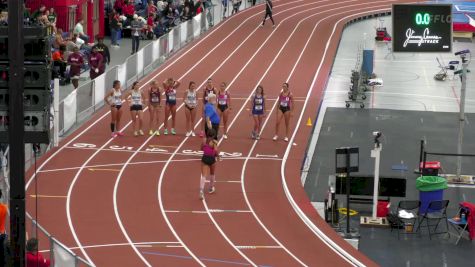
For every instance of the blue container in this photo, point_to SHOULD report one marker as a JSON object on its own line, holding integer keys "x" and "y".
{"x": 428, "y": 196}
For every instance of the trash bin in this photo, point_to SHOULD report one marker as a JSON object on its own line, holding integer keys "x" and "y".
{"x": 430, "y": 188}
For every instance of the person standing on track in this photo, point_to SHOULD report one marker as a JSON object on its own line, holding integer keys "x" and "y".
{"x": 154, "y": 107}
{"x": 136, "y": 108}
{"x": 258, "y": 111}
{"x": 224, "y": 105}
{"x": 269, "y": 7}
{"x": 286, "y": 107}
{"x": 212, "y": 119}
{"x": 114, "y": 99}
{"x": 170, "y": 87}
{"x": 208, "y": 162}
{"x": 209, "y": 89}
{"x": 190, "y": 98}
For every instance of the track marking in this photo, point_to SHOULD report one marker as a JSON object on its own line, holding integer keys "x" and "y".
{"x": 144, "y": 244}
{"x": 319, "y": 233}
{"x": 266, "y": 156}
{"x": 203, "y": 259}
{"x": 47, "y": 196}
{"x": 257, "y": 247}
{"x": 168, "y": 65}
{"x": 109, "y": 170}
{"x": 186, "y": 211}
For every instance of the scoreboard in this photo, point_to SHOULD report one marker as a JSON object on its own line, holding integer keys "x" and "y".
{"x": 422, "y": 28}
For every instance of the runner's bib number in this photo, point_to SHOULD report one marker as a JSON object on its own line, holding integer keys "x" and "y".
{"x": 222, "y": 102}
{"x": 155, "y": 99}
{"x": 258, "y": 107}
{"x": 171, "y": 97}
{"x": 284, "y": 104}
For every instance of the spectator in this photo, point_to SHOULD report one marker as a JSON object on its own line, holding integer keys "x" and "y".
{"x": 151, "y": 8}
{"x": 116, "y": 27}
{"x": 137, "y": 26}
{"x": 38, "y": 13}
{"x": 151, "y": 25}
{"x": 33, "y": 257}
{"x": 103, "y": 49}
{"x": 52, "y": 17}
{"x": 128, "y": 10}
{"x": 26, "y": 14}
{"x": 186, "y": 15}
{"x": 59, "y": 61}
{"x": 236, "y": 5}
{"x": 58, "y": 39}
{"x": 79, "y": 30}
{"x": 76, "y": 61}
{"x": 118, "y": 6}
{"x": 96, "y": 63}
{"x": 3, "y": 233}
{"x": 208, "y": 5}
{"x": 225, "y": 7}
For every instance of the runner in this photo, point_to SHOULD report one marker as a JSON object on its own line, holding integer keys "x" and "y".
{"x": 208, "y": 162}
{"x": 114, "y": 99}
{"x": 269, "y": 7}
{"x": 191, "y": 102}
{"x": 209, "y": 88}
{"x": 136, "y": 108}
{"x": 224, "y": 105}
{"x": 258, "y": 111}
{"x": 286, "y": 107}
{"x": 170, "y": 87}
{"x": 154, "y": 107}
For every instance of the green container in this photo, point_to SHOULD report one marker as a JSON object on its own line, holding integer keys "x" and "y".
{"x": 431, "y": 183}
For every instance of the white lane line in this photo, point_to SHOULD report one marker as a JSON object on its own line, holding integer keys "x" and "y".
{"x": 107, "y": 113}
{"x": 141, "y": 244}
{"x": 124, "y": 232}
{"x": 344, "y": 254}
{"x": 267, "y": 119}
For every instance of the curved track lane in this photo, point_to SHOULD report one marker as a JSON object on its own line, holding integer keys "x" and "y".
{"x": 136, "y": 198}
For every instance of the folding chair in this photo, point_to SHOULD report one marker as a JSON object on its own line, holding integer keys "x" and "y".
{"x": 437, "y": 210}
{"x": 407, "y": 214}
{"x": 460, "y": 226}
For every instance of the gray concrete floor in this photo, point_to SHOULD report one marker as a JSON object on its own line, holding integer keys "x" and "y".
{"x": 410, "y": 106}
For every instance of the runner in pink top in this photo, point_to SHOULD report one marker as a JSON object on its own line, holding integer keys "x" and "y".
{"x": 286, "y": 106}
{"x": 208, "y": 162}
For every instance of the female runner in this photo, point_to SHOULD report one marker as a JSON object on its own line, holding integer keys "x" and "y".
{"x": 208, "y": 161}
{"x": 286, "y": 107}
{"x": 154, "y": 107}
{"x": 136, "y": 108}
{"x": 224, "y": 105}
{"x": 209, "y": 88}
{"x": 114, "y": 99}
{"x": 258, "y": 111}
{"x": 170, "y": 87}
{"x": 191, "y": 102}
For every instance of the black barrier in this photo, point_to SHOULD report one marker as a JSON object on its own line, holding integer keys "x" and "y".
{"x": 364, "y": 185}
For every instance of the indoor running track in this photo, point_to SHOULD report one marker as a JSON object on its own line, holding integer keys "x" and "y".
{"x": 133, "y": 201}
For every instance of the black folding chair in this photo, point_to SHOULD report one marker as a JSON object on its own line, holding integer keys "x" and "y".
{"x": 406, "y": 216}
{"x": 437, "y": 211}
{"x": 460, "y": 226}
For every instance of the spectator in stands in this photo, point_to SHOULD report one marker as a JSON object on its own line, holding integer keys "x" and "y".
{"x": 33, "y": 257}
{"x": 3, "y": 233}
{"x": 128, "y": 10}
{"x": 151, "y": 8}
{"x": 96, "y": 63}
{"x": 38, "y": 13}
{"x": 115, "y": 26}
{"x": 79, "y": 30}
{"x": 236, "y": 5}
{"x": 118, "y": 5}
{"x": 26, "y": 14}
{"x": 58, "y": 39}
{"x": 136, "y": 26}
{"x": 208, "y": 5}
{"x": 59, "y": 60}
{"x": 103, "y": 49}
{"x": 76, "y": 61}
{"x": 52, "y": 16}
{"x": 186, "y": 14}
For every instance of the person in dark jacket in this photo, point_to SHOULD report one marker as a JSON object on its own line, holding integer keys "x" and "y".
{"x": 103, "y": 49}
{"x": 96, "y": 63}
{"x": 268, "y": 13}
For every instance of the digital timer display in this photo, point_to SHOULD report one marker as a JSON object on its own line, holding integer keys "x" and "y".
{"x": 422, "y": 28}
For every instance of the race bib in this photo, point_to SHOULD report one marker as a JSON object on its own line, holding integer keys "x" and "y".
{"x": 258, "y": 107}
{"x": 118, "y": 101}
{"x": 283, "y": 104}
{"x": 171, "y": 97}
{"x": 155, "y": 99}
{"x": 258, "y": 101}
{"x": 222, "y": 102}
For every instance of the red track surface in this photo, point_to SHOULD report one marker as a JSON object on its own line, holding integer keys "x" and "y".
{"x": 145, "y": 209}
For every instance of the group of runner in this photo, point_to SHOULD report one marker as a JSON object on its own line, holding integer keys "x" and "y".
{"x": 215, "y": 111}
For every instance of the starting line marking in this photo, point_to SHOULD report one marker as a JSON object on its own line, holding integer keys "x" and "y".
{"x": 110, "y": 170}
{"x": 266, "y": 156}
{"x": 210, "y": 210}
{"x": 257, "y": 247}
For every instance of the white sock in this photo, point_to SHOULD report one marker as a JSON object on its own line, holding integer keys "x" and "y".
{"x": 211, "y": 180}
{"x": 202, "y": 183}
